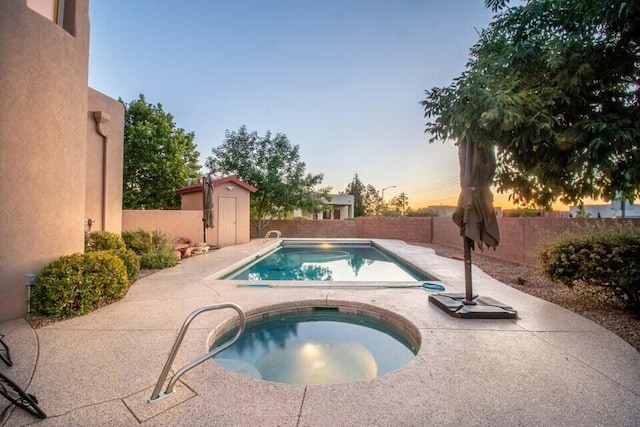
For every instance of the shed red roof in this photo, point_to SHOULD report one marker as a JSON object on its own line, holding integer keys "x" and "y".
{"x": 217, "y": 182}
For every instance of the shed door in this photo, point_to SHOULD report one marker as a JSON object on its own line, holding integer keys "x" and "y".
{"x": 227, "y": 221}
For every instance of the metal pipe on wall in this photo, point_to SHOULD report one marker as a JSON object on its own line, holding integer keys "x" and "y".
{"x": 101, "y": 118}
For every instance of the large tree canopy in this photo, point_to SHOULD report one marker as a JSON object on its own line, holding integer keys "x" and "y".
{"x": 159, "y": 157}
{"x": 272, "y": 165}
{"x": 555, "y": 86}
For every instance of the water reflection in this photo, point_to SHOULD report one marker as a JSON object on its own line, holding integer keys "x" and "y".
{"x": 264, "y": 338}
{"x": 316, "y": 348}
{"x": 352, "y": 263}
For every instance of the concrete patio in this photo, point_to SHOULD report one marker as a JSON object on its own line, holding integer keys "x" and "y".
{"x": 548, "y": 367}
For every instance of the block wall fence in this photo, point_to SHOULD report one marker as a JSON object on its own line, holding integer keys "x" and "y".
{"x": 520, "y": 238}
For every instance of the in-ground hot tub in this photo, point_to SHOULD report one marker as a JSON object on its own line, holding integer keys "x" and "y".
{"x": 319, "y": 344}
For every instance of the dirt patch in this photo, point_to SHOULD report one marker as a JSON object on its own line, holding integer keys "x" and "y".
{"x": 591, "y": 303}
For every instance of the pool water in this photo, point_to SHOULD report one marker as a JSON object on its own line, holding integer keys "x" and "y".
{"x": 317, "y": 347}
{"x": 334, "y": 262}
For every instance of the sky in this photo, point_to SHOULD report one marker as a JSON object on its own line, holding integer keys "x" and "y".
{"x": 343, "y": 79}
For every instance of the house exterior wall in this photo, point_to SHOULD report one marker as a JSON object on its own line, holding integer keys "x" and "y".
{"x": 346, "y": 212}
{"x": 113, "y": 131}
{"x": 191, "y": 201}
{"x": 611, "y": 210}
{"x": 43, "y": 128}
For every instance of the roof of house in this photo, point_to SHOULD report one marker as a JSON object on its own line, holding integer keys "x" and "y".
{"x": 341, "y": 199}
{"x": 195, "y": 188}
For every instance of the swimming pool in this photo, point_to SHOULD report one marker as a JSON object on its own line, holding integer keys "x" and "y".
{"x": 319, "y": 345}
{"x": 328, "y": 262}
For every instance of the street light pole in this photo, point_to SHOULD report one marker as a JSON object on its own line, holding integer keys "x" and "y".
{"x": 386, "y": 188}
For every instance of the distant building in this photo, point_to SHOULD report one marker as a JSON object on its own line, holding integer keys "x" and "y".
{"x": 612, "y": 210}
{"x": 340, "y": 207}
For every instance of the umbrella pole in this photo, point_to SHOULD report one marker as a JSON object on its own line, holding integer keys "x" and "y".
{"x": 468, "y": 300}
{"x": 204, "y": 219}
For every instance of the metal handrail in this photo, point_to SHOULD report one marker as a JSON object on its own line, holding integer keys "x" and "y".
{"x": 156, "y": 395}
{"x": 276, "y": 232}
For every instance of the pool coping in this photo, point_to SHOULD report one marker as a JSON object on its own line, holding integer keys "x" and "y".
{"x": 280, "y": 242}
{"x": 401, "y": 324}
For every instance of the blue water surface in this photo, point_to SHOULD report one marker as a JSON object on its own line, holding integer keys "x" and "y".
{"x": 318, "y": 347}
{"x": 328, "y": 263}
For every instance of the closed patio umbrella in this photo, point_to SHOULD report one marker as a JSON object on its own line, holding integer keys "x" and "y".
{"x": 475, "y": 214}
{"x": 207, "y": 199}
{"x": 476, "y": 218}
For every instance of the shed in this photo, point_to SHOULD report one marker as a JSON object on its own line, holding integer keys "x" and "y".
{"x": 231, "y": 200}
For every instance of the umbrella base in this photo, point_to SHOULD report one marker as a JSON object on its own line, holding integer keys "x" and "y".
{"x": 484, "y": 307}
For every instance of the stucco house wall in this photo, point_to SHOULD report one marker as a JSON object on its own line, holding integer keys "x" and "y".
{"x": 105, "y": 153}
{"x": 44, "y": 107}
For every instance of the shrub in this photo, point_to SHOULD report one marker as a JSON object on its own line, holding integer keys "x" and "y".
{"x": 160, "y": 242}
{"x": 143, "y": 242}
{"x": 76, "y": 284}
{"x": 608, "y": 257}
{"x": 131, "y": 262}
{"x": 138, "y": 241}
{"x": 158, "y": 259}
{"x": 103, "y": 241}
{"x": 155, "y": 249}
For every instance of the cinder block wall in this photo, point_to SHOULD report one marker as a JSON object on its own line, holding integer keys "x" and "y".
{"x": 402, "y": 228}
{"x": 308, "y": 228}
{"x": 520, "y": 238}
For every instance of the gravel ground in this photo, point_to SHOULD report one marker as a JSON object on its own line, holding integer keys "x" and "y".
{"x": 590, "y": 303}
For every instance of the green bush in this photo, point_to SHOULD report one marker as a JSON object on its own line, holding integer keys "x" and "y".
{"x": 138, "y": 241}
{"x": 160, "y": 242}
{"x": 143, "y": 242}
{"x": 76, "y": 284}
{"x": 131, "y": 262}
{"x": 155, "y": 249}
{"x": 103, "y": 241}
{"x": 158, "y": 259}
{"x": 607, "y": 257}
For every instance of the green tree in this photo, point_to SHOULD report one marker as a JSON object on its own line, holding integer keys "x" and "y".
{"x": 399, "y": 203}
{"x": 159, "y": 157}
{"x": 358, "y": 190}
{"x": 373, "y": 201}
{"x": 273, "y": 166}
{"x": 554, "y": 85}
